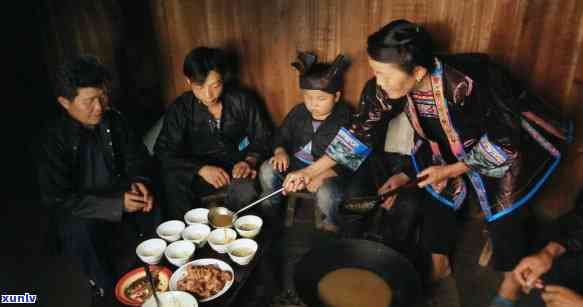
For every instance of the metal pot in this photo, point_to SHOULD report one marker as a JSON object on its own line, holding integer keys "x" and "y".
{"x": 378, "y": 258}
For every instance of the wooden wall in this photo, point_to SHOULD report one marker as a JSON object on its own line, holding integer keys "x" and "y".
{"x": 540, "y": 40}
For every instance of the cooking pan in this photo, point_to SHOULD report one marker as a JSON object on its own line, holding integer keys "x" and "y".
{"x": 378, "y": 258}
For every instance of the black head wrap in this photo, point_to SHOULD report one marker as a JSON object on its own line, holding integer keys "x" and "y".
{"x": 398, "y": 38}
{"x": 319, "y": 76}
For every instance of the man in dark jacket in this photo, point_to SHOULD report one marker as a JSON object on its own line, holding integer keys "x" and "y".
{"x": 92, "y": 170}
{"x": 213, "y": 138}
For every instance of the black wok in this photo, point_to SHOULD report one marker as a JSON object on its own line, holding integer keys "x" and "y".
{"x": 388, "y": 264}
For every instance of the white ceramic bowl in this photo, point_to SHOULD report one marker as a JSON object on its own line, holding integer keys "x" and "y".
{"x": 248, "y": 226}
{"x": 197, "y": 234}
{"x": 179, "y": 252}
{"x": 242, "y": 251}
{"x": 151, "y": 251}
{"x": 172, "y": 298}
{"x": 198, "y": 215}
{"x": 219, "y": 239}
{"x": 170, "y": 230}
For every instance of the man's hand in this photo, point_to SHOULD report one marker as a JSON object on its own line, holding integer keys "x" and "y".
{"x": 556, "y": 296}
{"x": 140, "y": 189}
{"x": 243, "y": 170}
{"x": 531, "y": 268}
{"x": 280, "y": 160}
{"x": 215, "y": 176}
{"x": 296, "y": 181}
{"x": 391, "y": 184}
{"x": 132, "y": 202}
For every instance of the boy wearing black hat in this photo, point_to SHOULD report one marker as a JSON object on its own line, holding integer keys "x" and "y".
{"x": 307, "y": 131}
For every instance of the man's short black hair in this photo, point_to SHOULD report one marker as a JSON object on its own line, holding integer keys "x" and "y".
{"x": 83, "y": 71}
{"x": 199, "y": 62}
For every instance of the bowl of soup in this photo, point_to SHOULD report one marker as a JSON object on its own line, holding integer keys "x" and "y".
{"x": 248, "y": 226}
{"x": 242, "y": 251}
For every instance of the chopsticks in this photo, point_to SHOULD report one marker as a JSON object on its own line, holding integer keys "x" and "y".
{"x": 152, "y": 285}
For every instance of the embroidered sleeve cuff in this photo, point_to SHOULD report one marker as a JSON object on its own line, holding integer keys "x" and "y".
{"x": 488, "y": 159}
{"x": 347, "y": 150}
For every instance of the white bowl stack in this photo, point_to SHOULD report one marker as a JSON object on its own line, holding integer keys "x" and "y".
{"x": 222, "y": 240}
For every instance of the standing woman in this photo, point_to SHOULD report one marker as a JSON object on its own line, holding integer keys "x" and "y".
{"x": 477, "y": 133}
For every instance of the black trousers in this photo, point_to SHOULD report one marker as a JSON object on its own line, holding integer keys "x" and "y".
{"x": 399, "y": 224}
{"x": 509, "y": 234}
{"x": 185, "y": 192}
{"x": 104, "y": 249}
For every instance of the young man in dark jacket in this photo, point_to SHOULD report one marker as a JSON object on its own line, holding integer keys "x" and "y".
{"x": 213, "y": 137}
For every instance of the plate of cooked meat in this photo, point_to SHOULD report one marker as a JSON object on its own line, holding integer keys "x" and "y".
{"x": 133, "y": 289}
{"x": 206, "y": 279}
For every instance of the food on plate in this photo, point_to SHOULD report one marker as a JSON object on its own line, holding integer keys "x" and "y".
{"x": 354, "y": 287}
{"x": 140, "y": 289}
{"x": 204, "y": 280}
{"x": 242, "y": 252}
{"x": 247, "y": 227}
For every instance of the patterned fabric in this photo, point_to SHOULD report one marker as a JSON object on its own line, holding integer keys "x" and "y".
{"x": 347, "y": 150}
{"x": 425, "y": 104}
{"x": 305, "y": 154}
{"x": 488, "y": 159}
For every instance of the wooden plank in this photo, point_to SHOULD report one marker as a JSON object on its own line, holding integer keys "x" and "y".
{"x": 540, "y": 41}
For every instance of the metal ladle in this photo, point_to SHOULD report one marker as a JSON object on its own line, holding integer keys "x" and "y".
{"x": 224, "y": 211}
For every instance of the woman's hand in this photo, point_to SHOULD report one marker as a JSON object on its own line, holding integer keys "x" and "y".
{"x": 296, "y": 181}
{"x": 317, "y": 181}
{"x": 394, "y": 182}
{"x": 437, "y": 175}
{"x": 280, "y": 160}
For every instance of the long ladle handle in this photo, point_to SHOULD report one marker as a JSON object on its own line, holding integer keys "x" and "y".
{"x": 259, "y": 200}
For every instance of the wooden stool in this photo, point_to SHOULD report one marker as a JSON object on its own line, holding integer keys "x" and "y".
{"x": 291, "y": 208}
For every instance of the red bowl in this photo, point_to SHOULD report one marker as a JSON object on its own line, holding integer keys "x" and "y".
{"x": 128, "y": 278}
